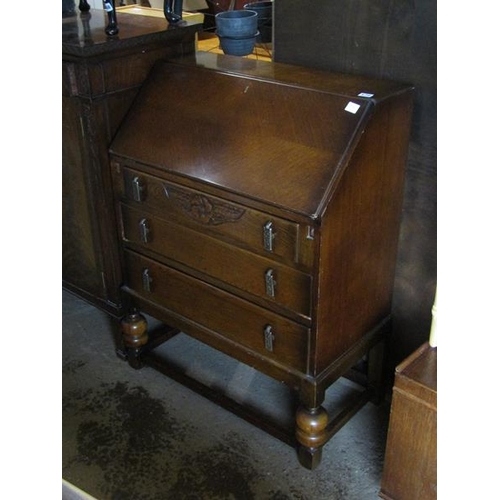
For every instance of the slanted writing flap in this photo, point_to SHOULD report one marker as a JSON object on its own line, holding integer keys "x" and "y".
{"x": 279, "y": 144}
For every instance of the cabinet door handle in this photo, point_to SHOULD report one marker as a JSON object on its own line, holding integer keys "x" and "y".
{"x": 144, "y": 231}
{"x": 270, "y": 283}
{"x": 138, "y": 189}
{"x": 268, "y": 235}
{"x": 146, "y": 280}
{"x": 269, "y": 338}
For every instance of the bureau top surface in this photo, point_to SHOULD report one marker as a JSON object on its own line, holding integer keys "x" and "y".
{"x": 83, "y": 33}
{"x": 275, "y": 133}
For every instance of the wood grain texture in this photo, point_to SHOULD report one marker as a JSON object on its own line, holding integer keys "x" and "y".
{"x": 237, "y": 143}
{"x": 100, "y": 79}
{"x": 273, "y": 173}
{"x": 410, "y": 468}
{"x": 395, "y": 41}
{"x": 216, "y": 310}
{"x": 344, "y": 211}
{"x": 216, "y": 259}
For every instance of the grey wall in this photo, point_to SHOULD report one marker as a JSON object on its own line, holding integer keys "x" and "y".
{"x": 393, "y": 39}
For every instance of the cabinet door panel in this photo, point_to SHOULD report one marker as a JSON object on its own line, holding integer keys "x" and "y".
{"x": 80, "y": 265}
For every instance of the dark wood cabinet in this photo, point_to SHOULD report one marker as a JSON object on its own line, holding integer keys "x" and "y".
{"x": 100, "y": 79}
{"x": 264, "y": 220}
{"x": 410, "y": 469}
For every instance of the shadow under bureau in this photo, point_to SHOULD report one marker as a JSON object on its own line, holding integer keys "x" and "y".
{"x": 259, "y": 206}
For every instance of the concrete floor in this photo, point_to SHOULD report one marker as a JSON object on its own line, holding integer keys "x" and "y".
{"x": 137, "y": 435}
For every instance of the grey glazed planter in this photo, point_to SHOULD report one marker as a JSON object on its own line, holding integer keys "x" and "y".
{"x": 264, "y": 19}
{"x": 236, "y": 23}
{"x": 238, "y": 46}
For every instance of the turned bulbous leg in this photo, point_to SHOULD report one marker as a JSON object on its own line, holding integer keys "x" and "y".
{"x": 311, "y": 434}
{"x": 135, "y": 335}
{"x": 84, "y": 6}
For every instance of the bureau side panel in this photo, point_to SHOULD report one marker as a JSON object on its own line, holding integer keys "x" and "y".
{"x": 359, "y": 235}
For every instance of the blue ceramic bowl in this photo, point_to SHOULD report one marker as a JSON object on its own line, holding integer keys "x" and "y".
{"x": 236, "y": 23}
{"x": 237, "y": 46}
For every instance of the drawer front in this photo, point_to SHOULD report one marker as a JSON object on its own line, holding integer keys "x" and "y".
{"x": 261, "y": 331}
{"x": 244, "y": 270}
{"x": 250, "y": 229}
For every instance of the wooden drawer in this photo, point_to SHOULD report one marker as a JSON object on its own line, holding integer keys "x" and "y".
{"x": 239, "y": 268}
{"x": 265, "y": 234}
{"x": 252, "y": 327}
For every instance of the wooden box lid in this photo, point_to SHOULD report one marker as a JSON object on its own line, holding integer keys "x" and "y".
{"x": 275, "y": 133}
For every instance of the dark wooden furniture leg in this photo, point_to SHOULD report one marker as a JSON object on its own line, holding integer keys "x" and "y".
{"x": 375, "y": 373}
{"x": 112, "y": 27}
{"x": 135, "y": 335}
{"x": 84, "y": 6}
{"x": 172, "y": 10}
{"x": 311, "y": 434}
{"x": 314, "y": 427}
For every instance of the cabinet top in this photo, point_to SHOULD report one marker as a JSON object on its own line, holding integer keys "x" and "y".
{"x": 420, "y": 367}
{"x": 278, "y": 134}
{"x": 83, "y": 33}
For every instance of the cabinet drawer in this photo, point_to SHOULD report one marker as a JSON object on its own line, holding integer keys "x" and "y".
{"x": 251, "y": 326}
{"x": 239, "y": 268}
{"x": 256, "y": 231}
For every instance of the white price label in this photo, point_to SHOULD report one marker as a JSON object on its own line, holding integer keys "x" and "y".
{"x": 352, "y": 107}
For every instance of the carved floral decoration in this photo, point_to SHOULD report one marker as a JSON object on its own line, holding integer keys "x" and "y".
{"x": 203, "y": 209}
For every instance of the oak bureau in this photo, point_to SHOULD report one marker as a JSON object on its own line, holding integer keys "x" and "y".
{"x": 259, "y": 206}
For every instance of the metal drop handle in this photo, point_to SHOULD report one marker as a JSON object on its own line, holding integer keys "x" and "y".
{"x": 269, "y": 338}
{"x": 137, "y": 189}
{"x": 146, "y": 280}
{"x": 270, "y": 283}
{"x": 268, "y": 236}
{"x": 144, "y": 231}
